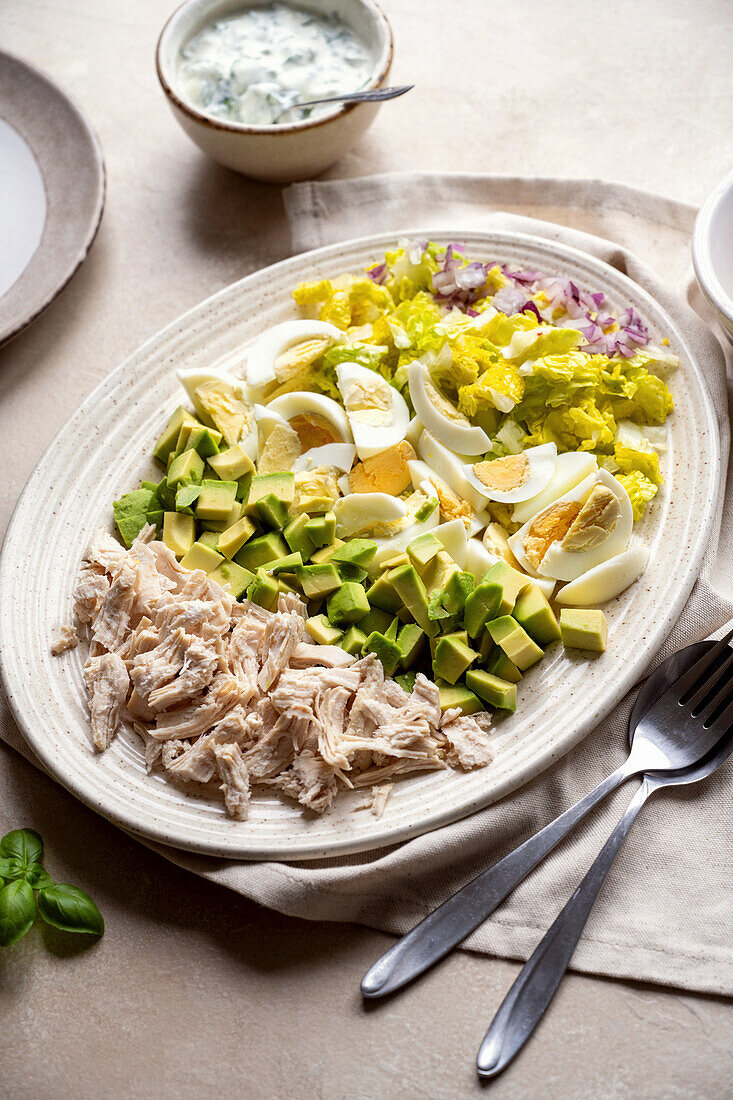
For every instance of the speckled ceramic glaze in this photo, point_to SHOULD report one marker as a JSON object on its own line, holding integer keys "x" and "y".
{"x": 103, "y": 451}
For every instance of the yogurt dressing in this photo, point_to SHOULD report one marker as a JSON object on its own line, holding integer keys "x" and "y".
{"x": 256, "y": 66}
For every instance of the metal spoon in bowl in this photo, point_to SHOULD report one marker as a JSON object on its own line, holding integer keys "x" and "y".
{"x": 651, "y": 750}
{"x": 375, "y": 95}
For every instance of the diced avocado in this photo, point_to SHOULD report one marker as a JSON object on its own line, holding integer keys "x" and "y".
{"x": 272, "y": 511}
{"x": 233, "y": 538}
{"x": 322, "y": 631}
{"x": 155, "y": 517}
{"x": 131, "y": 513}
{"x": 457, "y": 636}
{"x": 186, "y": 496}
{"x": 205, "y": 441}
{"x": 423, "y": 549}
{"x": 323, "y": 554}
{"x": 583, "y": 628}
{"x": 353, "y": 641}
{"x": 486, "y": 646}
{"x": 349, "y": 572}
{"x": 452, "y": 658}
{"x": 496, "y": 692}
{"x": 410, "y": 640}
{"x": 322, "y": 530}
{"x": 438, "y": 570}
{"x": 377, "y": 619}
{"x": 216, "y": 500}
{"x": 533, "y": 612}
{"x": 229, "y": 573}
{"x": 392, "y": 563}
{"x": 151, "y": 486}
{"x": 263, "y": 485}
{"x": 201, "y": 557}
{"x": 426, "y": 509}
{"x": 354, "y": 551}
{"x": 392, "y": 630}
{"x": 220, "y": 404}
{"x": 222, "y": 525}
{"x": 458, "y": 588}
{"x": 406, "y": 680}
{"x": 512, "y": 583}
{"x": 209, "y": 538}
{"x": 296, "y": 537}
{"x": 458, "y": 695}
{"x": 285, "y": 565}
{"x": 263, "y": 590}
{"x": 405, "y": 616}
{"x": 188, "y": 466}
{"x": 260, "y": 551}
{"x": 515, "y": 642}
{"x": 179, "y": 532}
{"x": 318, "y": 580}
{"x": 189, "y": 425}
{"x": 244, "y": 484}
{"x": 167, "y": 440}
{"x": 481, "y": 606}
{"x": 386, "y": 651}
{"x": 382, "y": 594}
{"x": 411, "y": 590}
{"x": 232, "y": 464}
{"x": 499, "y": 665}
{"x": 348, "y": 604}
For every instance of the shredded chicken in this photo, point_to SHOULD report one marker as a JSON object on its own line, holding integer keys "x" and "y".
{"x": 228, "y": 696}
{"x": 66, "y": 639}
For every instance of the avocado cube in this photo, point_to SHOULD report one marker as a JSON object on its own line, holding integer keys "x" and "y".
{"x": 318, "y": 580}
{"x": 166, "y": 443}
{"x": 386, "y": 651}
{"x": 452, "y": 658}
{"x": 583, "y": 628}
{"x": 349, "y": 572}
{"x": 260, "y": 551}
{"x": 131, "y": 513}
{"x": 458, "y": 695}
{"x": 355, "y": 551}
{"x": 458, "y": 588}
{"x": 486, "y": 646}
{"x": 353, "y": 641}
{"x": 201, "y": 557}
{"x": 323, "y": 554}
{"x": 382, "y": 594}
{"x": 411, "y": 590}
{"x": 392, "y": 629}
{"x": 512, "y": 583}
{"x": 208, "y": 538}
{"x": 457, "y": 636}
{"x": 188, "y": 466}
{"x": 285, "y": 565}
{"x": 481, "y": 606}
{"x": 322, "y": 631}
{"x": 377, "y": 620}
{"x": 495, "y": 692}
{"x": 423, "y": 549}
{"x": 216, "y": 500}
{"x": 222, "y": 525}
{"x": 179, "y": 532}
{"x": 272, "y": 511}
{"x": 244, "y": 485}
{"x": 533, "y": 612}
{"x": 410, "y": 640}
{"x": 499, "y": 665}
{"x": 348, "y": 604}
{"x": 233, "y": 538}
{"x": 205, "y": 441}
{"x": 296, "y": 537}
{"x": 406, "y": 680}
{"x": 322, "y": 530}
{"x": 186, "y": 495}
{"x": 515, "y": 642}
{"x": 426, "y": 509}
{"x": 392, "y": 563}
{"x": 232, "y": 464}
{"x": 264, "y": 485}
{"x": 189, "y": 425}
{"x": 438, "y": 570}
{"x": 232, "y": 575}
{"x": 263, "y": 590}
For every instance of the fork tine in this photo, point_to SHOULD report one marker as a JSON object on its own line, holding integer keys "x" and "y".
{"x": 692, "y": 677}
{"x": 720, "y": 697}
{"x": 699, "y": 697}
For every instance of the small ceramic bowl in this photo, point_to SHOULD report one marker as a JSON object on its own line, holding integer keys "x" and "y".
{"x": 275, "y": 153}
{"x": 712, "y": 252}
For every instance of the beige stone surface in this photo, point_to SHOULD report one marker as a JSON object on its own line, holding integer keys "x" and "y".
{"x": 194, "y": 990}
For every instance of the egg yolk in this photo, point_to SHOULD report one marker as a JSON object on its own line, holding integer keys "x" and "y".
{"x": 595, "y": 521}
{"x": 386, "y": 472}
{"x": 369, "y": 403}
{"x": 313, "y": 430}
{"x": 503, "y": 474}
{"x": 299, "y": 356}
{"x": 549, "y": 527}
{"x": 443, "y": 405}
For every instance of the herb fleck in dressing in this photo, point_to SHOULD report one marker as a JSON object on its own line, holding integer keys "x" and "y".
{"x": 256, "y": 66}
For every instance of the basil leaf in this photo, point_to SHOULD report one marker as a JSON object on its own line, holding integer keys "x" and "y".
{"x": 10, "y": 868}
{"x": 38, "y": 877}
{"x": 17, "y": 912}
{"x": 70, "y": 909}
{"x": 23, "y": 844}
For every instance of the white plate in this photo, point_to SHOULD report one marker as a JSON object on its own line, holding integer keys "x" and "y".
{"x": 102, "y": 451}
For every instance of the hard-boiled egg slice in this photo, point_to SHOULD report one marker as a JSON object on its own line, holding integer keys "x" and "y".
{"x": 339, "y": 455}
{"x": 193, "y": 377}
{"x": 478, "y": 559}
{"x": 360, "y": 512}
{"x": 604, "y": 581}
{"x": 455, "y": 540}
{"x": 281, "y": 350}
{"x": 531, "y": 541}
{"x": 318, "y": 420}
{"x": 516, "y": 477}
{"x": 452, "y": 506}
{"x": 451, "y": 467}
{"x": 414, "y": 429}
{"x": 392, "y": 545}
{"x": 441, "y": 417}
{"x": 266, "y": 419}
{"x": 570, "y": 470}
{"x": 377, "y": 413}
{"x": 220, "y": 397}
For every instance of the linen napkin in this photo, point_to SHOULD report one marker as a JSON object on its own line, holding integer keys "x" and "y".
{"x": 666, "y": 912}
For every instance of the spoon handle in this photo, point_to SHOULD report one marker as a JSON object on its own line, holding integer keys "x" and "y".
{"x": 452, "y": 921}
{"x": 535, "y": 985}
{"x": 375, "y": 95}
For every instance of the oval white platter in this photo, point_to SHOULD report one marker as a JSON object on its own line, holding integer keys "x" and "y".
{"x": 104, "y": 450}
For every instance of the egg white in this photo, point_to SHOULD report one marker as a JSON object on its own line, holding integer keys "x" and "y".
{"x": 570, "y": 470}
{"x": 605, "y": 581}
{"x": 263, "y": 354}
{"x": 303, "y": 402}
{"x": 339, "y": 455}
{"x": 360, "y": 512}
{"x": 541, "y": 460}
{"x": 458, "y": 434}
{"x": 451, "y": 467}
{"x": 370, "y": 439}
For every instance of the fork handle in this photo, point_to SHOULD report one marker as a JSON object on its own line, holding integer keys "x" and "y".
{"x": 535, "y": 985}
{"x": 452, "y": 921}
